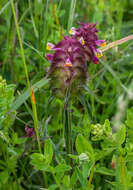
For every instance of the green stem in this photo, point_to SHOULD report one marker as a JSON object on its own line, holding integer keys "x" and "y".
{"x": 26, "y": 74}
{"x": 91, "y": 176}
{"x": 120, "y": 171}
{"x": 68, "y": 132}
{"x": 122, "y": 163}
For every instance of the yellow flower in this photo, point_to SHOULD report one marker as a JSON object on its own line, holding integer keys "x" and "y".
{"x": 72, "y": 31}
{"x": 103, "y": 44}
{"x": 99, "y": 54}
{"x": 49, "y": 46}
{"x": 81, "y": 40}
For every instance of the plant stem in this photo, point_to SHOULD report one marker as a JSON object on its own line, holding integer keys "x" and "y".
{"x": 68, "y": 131}
{"x": 91, "y": 176}
{"x": 121, "y": 160}
{"x": 120, "y": 171}
{"x": 27, "y": 76}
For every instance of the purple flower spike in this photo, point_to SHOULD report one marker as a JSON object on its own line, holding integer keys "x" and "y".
{"x": 69, "y": 61}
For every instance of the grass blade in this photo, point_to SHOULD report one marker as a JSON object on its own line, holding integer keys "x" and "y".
{"x": 71, "y": 14}
{"x": 130, "y": 94}
{"x": 23, "y": 97}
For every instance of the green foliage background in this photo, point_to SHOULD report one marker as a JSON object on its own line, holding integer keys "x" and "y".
{"x": 106, "y": 106}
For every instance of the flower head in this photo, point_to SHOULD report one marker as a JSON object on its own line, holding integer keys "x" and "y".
{"x": 68, "y": 67}
{"x": 29, "y": 131}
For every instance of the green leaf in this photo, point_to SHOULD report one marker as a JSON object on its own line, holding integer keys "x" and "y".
{"x": 53, "y": 187}
{"x": 81, "y": 178}
{"x": 62, "y": 168}
{"x": 74, "y": 157}
{"x": 71, "y": 14}
{"x": 4, "y": 7}
{"x": 105, "y": 171}
{"x": 6, "y": 102}
{"x": 37, "y": 156}
{"x": 16, "y": 151}
{"x": 85, "y": 104}
{"x": 108, "y": 67}
{"x": 12, "y": 163}
{"x": 73, "y": 179}
{"x": 107, "y": 126}
{"x": 17, "y": 140}
{"x": 66, "y": 180}
{"x": 32, "y": 21}
{"x": 38, "y": 7}
{"x": 48, "y": 150}
{"x": 121, "y": 134}
{"x": 2, "y": 136}
{"x": 23, "y": 97}
{"x": 93, "y": 94}
{"x": 129, "y": 157}
{"x": 4, "y": 177}
{"x": 83, "y": 146}
{"x": 129, "y": 121}
{"x": 99, "y": 154}
{"x": 86, "y": 168}
{"x": 131, "y": 185}
{"x": 41, "y": 165}
{"x": 39, "y": 162}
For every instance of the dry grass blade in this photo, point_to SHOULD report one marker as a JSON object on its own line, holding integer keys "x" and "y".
{"x": 115, "y": 43}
